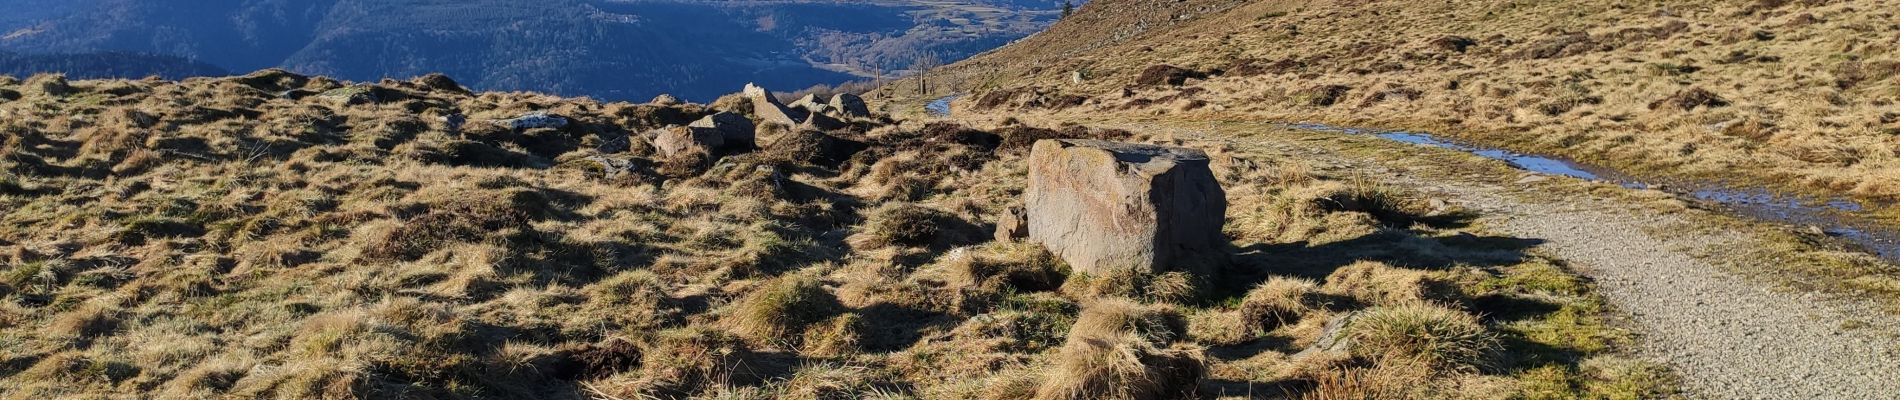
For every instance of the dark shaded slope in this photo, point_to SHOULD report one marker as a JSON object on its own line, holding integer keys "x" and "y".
{"x": 105, "y": 65}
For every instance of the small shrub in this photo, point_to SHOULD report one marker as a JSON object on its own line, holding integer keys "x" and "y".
{"x": 1425, "y": 333}
{"x": 904, "y": 224}
{"x": 781, "y": 308}
{"x": 1107, "y": 318}
{"x": 996, "y": 266}
{"x": 1379, "y": 382}
{"x": 835, "y": 337}
{"x": 1122, "y": 367}
{"x": 1278, "y": 302}
{"x": 682, "y": 362}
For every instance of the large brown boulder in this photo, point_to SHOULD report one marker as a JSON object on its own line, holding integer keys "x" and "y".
{"x": 677, "y": 141}
{"x": 850, "y": 105}
{"x": 737, "y": 130}
{"x": 1106, "y": 206}
{"x": 769, "y": 110}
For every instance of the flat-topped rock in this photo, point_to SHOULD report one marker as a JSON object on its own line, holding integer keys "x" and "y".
{"x": 737, "y": 130}
{"x": 1105, "y": 206}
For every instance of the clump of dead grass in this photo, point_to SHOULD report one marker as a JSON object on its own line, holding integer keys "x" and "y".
{"x": 783, "y": 307}
{"x": 1426, "y": 333}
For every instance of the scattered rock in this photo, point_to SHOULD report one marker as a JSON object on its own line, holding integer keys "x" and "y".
{"x": 454, "y": 122}
{"x": 735, "y": 129}
{"x": 1013, "y": 225}
{"x": 680, "y": 140}
{"x": 819, "y": 109}
{"x": 614, "y": 168}
{"x": 822, "y": 122}
{"x": 616, "y": 145}
{"x": 296, "y": 94}
{"x": 535, "y": 120}
{"x": 1107, "y": 206}
{"x": 768, "y": 109}
{"x": 850, "y": 105}
{"x": 1332, "y": 338}
{"x": 806, "y": 103}
{"x": 665, "y": 100}
{"x": 1532, "y": 179}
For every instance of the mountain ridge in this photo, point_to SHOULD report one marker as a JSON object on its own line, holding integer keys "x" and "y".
{"x": 616, "y": 50}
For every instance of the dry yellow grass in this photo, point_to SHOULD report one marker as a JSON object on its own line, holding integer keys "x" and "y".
{"x": 229, "y": 238}
{"x": 1796, "y": 95}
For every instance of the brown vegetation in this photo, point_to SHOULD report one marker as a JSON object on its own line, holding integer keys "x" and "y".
{"x": 227, "y": 238}
{"x": 1788, "y": 94}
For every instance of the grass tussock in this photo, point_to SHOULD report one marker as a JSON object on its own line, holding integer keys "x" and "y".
{"x": 784, "y": 306}
{"x": 1434, "y": 335}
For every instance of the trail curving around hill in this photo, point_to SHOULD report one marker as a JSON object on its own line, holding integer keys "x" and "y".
{"x": 1728, "y": 336}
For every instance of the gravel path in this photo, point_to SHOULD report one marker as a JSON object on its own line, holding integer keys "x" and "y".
{"x": 1729, "y": 337}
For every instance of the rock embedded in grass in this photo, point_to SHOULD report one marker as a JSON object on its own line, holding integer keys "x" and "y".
{"x": 734, "y": 130}
{"x": 768, "y": 109}
{"x": 1106, "y": 206}
{"x": 850, "y": 105}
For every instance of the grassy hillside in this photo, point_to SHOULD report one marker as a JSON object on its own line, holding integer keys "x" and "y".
{"x": 212, "y": 238}
{"x": 1792, "y": 94}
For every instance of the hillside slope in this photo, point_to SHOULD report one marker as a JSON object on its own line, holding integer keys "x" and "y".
{"x": 1798, "y": 95}
{"x": 105, "y": 65}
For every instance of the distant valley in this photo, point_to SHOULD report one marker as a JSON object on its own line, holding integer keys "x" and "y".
{"x": 609, "y": 49}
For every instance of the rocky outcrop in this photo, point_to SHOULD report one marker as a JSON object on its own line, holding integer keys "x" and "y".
{"x": 737, "y": 130}
{"x": 535, "y": 120}
{"x": 1106, "y": 206}
{"x": 769, "y": 110}
{"x": 850, "y": 105}
{"x": 1012, "y": 226}
{"x": 822, "y": 122}
{"x": 680, "y": 140}
{"x": 809, "y": 102}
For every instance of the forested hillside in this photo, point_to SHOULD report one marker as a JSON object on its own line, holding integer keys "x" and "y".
{"x": 106, "y": 65}
{"x": 610, "y": 49}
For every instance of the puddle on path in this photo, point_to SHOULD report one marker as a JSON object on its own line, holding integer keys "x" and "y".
{"x": 1842, "y": 218}
{"x": 941, "y": 106}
